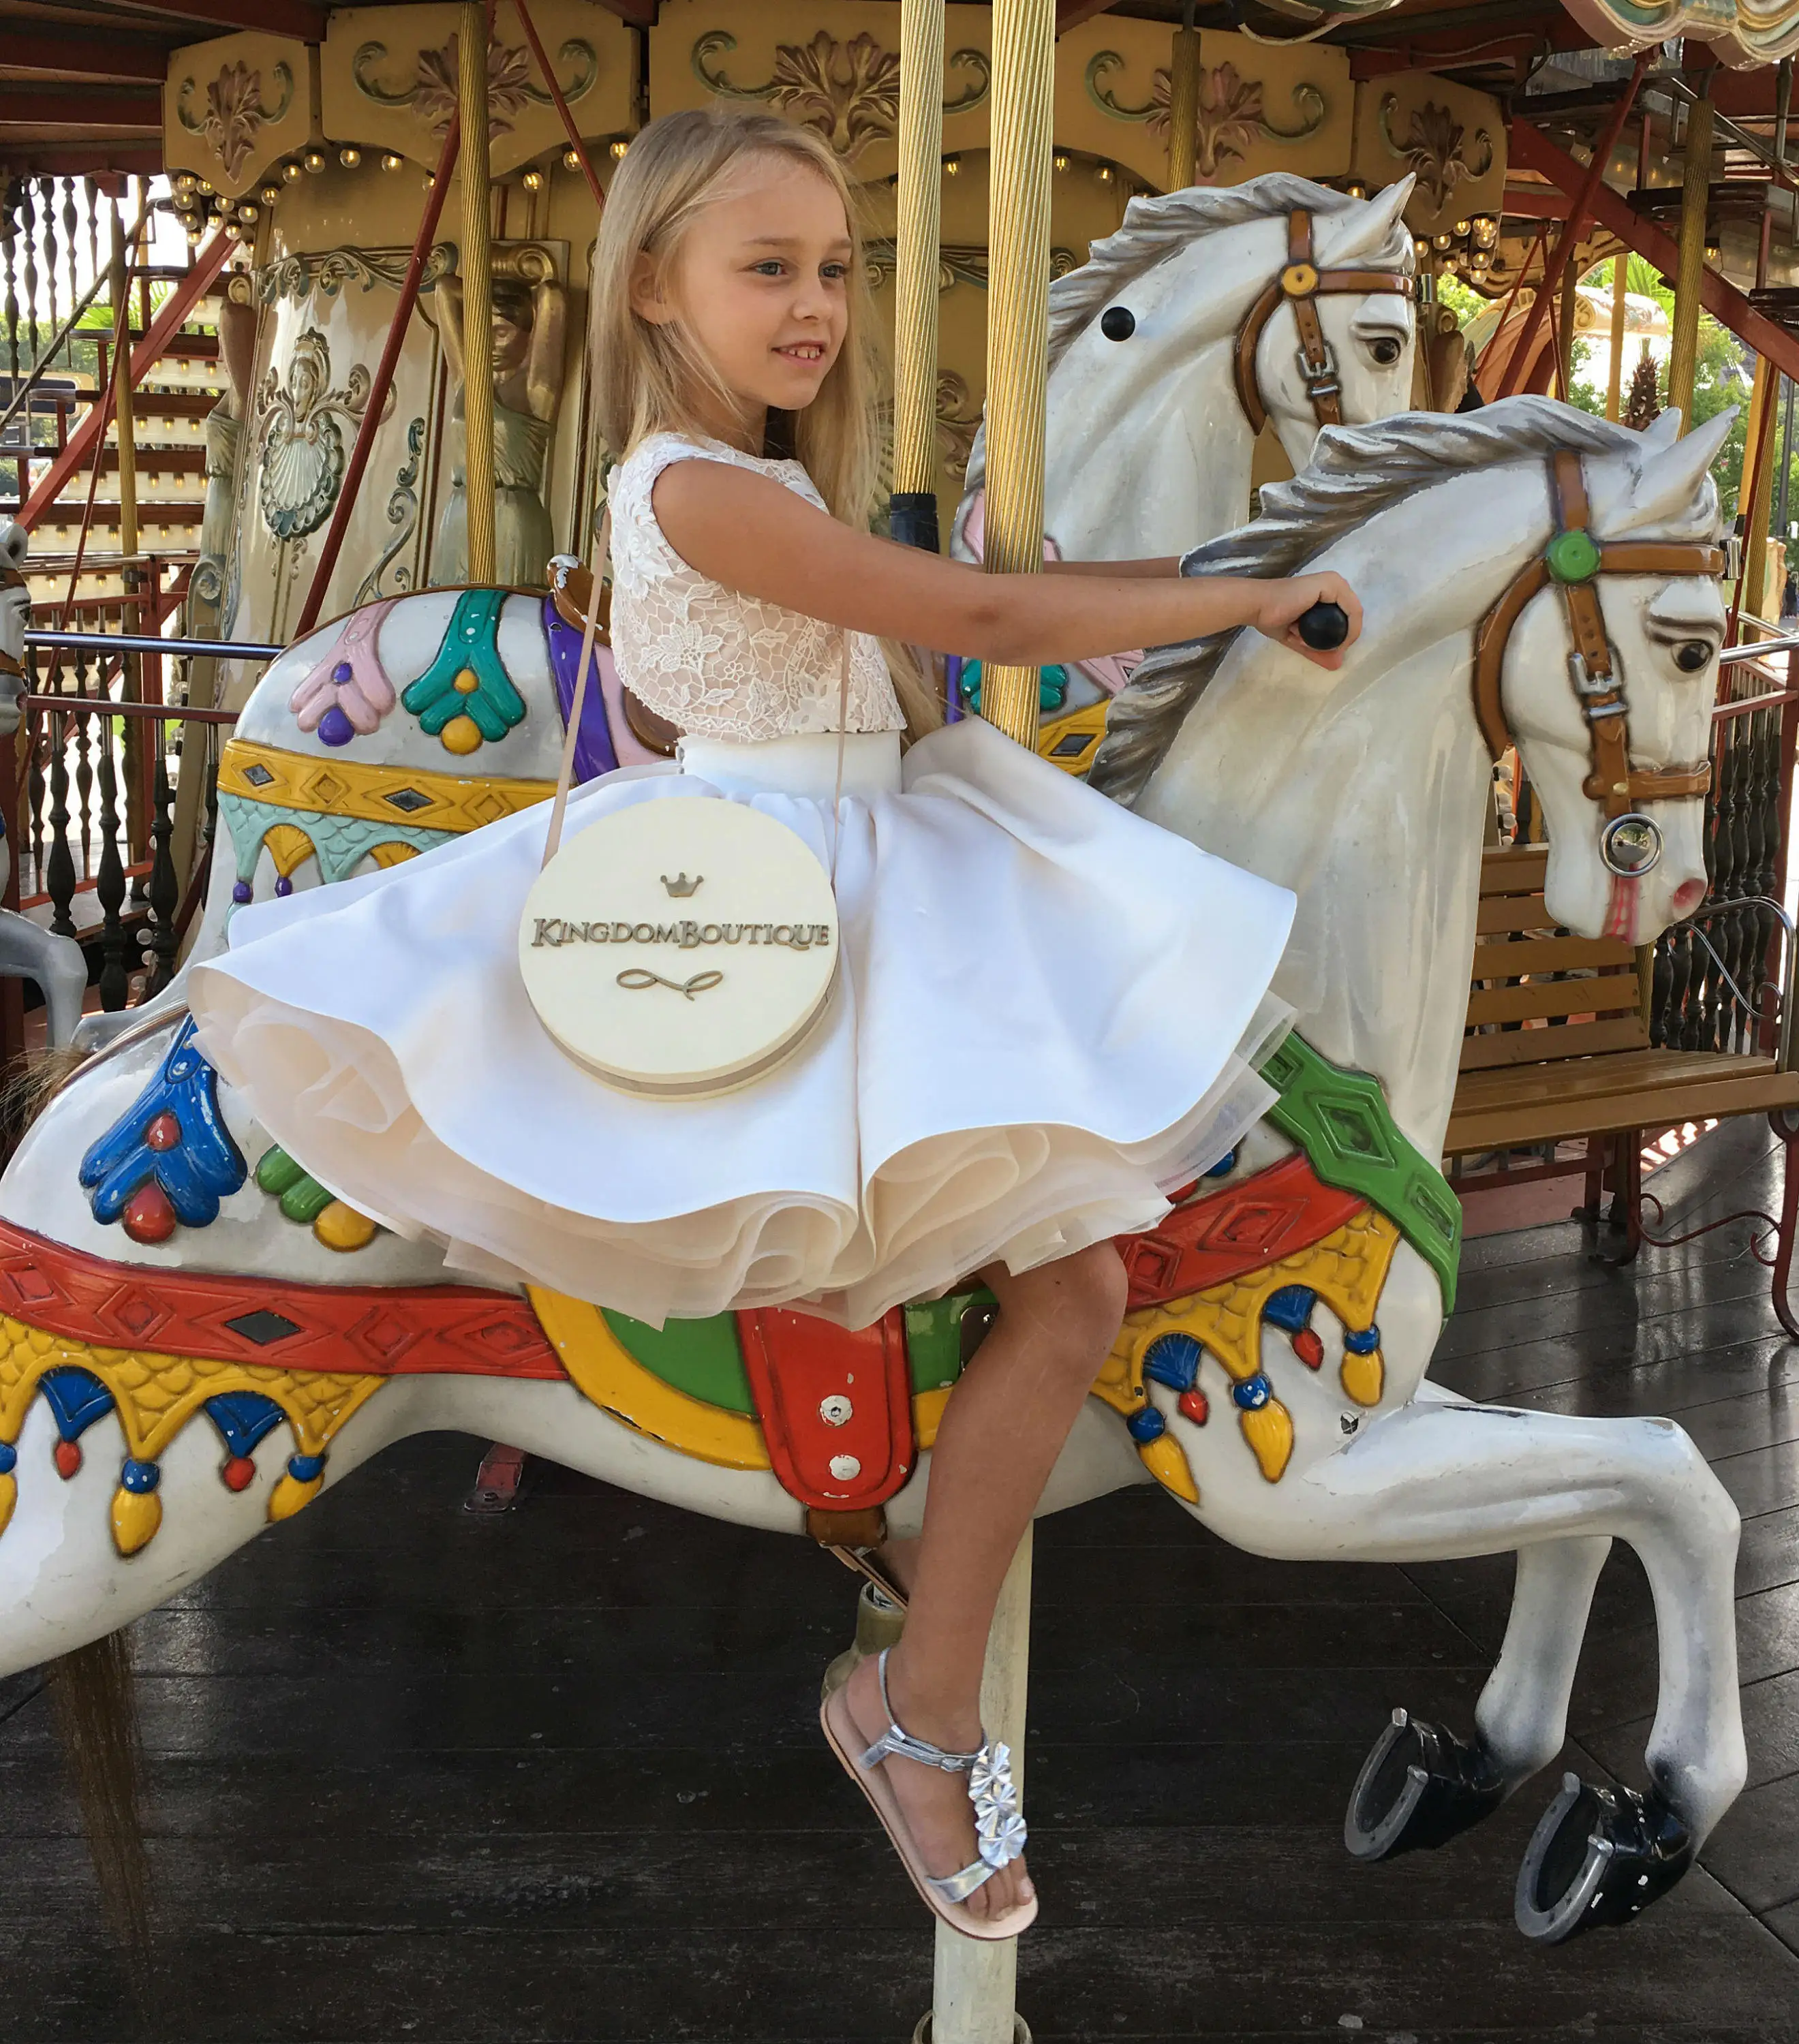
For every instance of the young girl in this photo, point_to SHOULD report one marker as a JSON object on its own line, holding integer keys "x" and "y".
{"x": 1050, "y": 1011}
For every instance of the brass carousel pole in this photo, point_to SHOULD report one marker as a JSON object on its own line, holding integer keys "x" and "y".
{"x": 975, "y": 1983}
{"x": 477, "y": 294}
{"x": 913, "y": 509}
{"x": 1183, "y": 104}
{"x": 1683, "y": 350}
{"x": 1614, "y": 375}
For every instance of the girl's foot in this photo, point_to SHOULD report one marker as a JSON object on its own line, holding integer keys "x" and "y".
{"x": 935, "y": 1805}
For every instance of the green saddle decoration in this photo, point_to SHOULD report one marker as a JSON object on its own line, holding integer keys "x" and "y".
{"x": 1341, "y": 1120}
{"x": 471, "y": 647}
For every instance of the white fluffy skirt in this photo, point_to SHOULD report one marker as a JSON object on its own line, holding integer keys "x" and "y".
{"x": 1050, "y": 1018}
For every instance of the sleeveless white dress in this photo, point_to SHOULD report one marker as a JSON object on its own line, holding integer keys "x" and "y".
{"x": 1048, "y": 1017}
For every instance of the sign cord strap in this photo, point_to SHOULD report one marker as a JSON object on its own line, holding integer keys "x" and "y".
{"x": 565, "y": 778}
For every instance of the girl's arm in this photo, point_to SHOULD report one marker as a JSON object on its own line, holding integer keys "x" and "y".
{"x": 1168, "y": 564}
{"x": 757, "y": 536}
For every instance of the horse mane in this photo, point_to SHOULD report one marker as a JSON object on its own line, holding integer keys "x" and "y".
{"x": 1356, "y": 472}
{"x": 1157, "y": 226}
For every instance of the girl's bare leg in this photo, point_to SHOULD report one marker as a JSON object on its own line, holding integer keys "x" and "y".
{"x": 1001, "y": 1432}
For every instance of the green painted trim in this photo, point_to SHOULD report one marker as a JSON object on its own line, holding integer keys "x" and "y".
{"x": 701, "y": 1357}
{"x": 933, "y": 1338}
{"x": 1341, "y": 1120}
{"x": 470, "y": 644}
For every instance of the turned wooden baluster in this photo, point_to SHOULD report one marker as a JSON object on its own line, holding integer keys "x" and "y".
{"x": 59, "y": 870}
{"x": 108, "y": 884}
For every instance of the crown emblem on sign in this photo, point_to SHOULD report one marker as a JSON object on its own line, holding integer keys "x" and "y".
{"x": 681, "y": 886}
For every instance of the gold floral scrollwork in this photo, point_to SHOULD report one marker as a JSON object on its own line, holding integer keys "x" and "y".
{"x": 956, "y": 425}
{"x": 431, "y": 94}
{"x": 848, "y": 92}
{"x": 958, "y": 263}
{"x": 329, "y": 271}
{"x": 235, "y": 109}
{"x": 1433, "y": 148}
{"x": 1231, "y": 118}
{"x": 300, "y": 443}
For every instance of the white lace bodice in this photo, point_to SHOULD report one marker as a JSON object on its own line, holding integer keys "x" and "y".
{"x": 717, "y": 664}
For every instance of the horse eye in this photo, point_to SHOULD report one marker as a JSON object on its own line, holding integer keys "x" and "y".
{"x": 1385, "y": 351}
{"x": 1693, "y": 654}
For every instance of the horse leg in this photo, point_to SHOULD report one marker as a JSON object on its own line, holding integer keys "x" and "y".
{"x": 56, "y": 963}
{"x": 1437, "y": 1482}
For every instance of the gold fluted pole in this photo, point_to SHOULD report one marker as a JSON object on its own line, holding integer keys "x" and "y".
{"x": 913, "y": 512}
{"x": 1183, "y": 108}
{"x": 477, "y": 294}
{"x": 1615, "y": 379}
{"x": 1017, "y": 325}
{"x": 1757, "y": 486}
{"x": 1683, "y": 352}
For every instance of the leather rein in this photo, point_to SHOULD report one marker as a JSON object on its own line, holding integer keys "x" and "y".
{"x": 1301, "y": 284}
{"x": 1573, "y": 560}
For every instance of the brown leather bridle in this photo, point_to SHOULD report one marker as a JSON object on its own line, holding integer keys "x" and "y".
{"x": 1301, "y": 284}
{"x": 1573, "y": 559}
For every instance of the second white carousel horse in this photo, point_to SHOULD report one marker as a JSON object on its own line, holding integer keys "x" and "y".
{"x": 27, "y": 952}
{"x": 195, "y": 1338}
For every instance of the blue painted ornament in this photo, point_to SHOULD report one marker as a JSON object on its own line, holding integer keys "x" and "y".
{"x": 172, "y": 1146}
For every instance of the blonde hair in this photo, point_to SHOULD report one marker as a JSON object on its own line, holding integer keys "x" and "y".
{"x": 644, "y": 375}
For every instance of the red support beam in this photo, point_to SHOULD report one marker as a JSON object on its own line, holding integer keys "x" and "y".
{"x": 1579, "y": 212}
{"x": 208, "y": 262}
{"x": 31, "y": 106}
{"x": 57, "y": 55}
{"x": 1723, "y": 302}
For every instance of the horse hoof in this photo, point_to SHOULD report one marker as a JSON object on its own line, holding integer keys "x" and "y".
{"x": 1599, "y": 1856}
{"x": 1418, "y": 1788}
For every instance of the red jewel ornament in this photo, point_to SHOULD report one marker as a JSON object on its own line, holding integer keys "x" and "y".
{"x": 164, "y": 1132}
{"x": 238, "y": 1473}
{"x": 1194, "y": 1406}
{"x": 148, "y": 1216}
{"x": 1308, "y": 1347}
{"x": 68, "y": 1455}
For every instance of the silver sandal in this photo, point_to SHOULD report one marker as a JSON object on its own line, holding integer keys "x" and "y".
{"x": 999, "y": 1825}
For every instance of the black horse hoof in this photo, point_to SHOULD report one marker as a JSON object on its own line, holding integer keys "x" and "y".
{"x": 1599, "y": 1856}
{"x": 1419, "y": 1788}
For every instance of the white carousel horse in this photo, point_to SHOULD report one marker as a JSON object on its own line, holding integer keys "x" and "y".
{"x": 26, "y": 951}
{"x": 1210, "y": 312}
{"x": 149, "y": 1280}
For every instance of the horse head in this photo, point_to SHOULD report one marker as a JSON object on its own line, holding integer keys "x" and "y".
{"x": 1608, "y": 681}
{"x": 1209, "y": 314}
{"x": 15, "y": 609}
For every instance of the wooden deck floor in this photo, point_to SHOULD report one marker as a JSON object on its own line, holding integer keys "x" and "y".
{"x": 556, "y": 1777}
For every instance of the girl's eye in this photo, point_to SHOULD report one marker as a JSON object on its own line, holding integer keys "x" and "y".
{"x": 835, "y": 272}
{"x": 771, "y": 266}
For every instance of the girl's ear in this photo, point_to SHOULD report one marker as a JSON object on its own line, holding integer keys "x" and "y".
{"x": 648, "y": 299}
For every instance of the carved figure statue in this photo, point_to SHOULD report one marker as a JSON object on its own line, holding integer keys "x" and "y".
{"x": 212, "y": 588}
{"x": 1270, "y": 1375}
{"x": 525, "y": 362}
{"x": 27, "y": 952}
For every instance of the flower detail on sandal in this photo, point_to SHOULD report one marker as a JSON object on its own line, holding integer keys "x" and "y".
{"x": 999, "y": 1827}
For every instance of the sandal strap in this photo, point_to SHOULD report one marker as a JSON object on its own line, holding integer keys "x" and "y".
{"x": 896, "y": 1740}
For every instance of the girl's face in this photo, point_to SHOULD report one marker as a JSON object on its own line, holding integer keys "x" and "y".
{"x": 760, "y": 284}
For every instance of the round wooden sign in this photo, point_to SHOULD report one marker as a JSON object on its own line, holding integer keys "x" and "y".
{"x": 680, "y": 947}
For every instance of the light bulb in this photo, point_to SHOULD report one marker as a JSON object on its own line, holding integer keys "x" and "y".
{"x": 291, "y": 172}
{"x": 269, "y": 194}
{"x": 349, "y": 158}
{"x": 532, "y": 181}
{"x": 618, "y": 149}
{"x": 390, "y": 162}
{"x": 315, "y": 160}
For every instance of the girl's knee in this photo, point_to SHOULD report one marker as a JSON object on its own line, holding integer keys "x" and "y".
{"x": 1078, "y": 1303}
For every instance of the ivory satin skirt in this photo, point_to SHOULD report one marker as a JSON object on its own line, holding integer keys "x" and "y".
{"x": 1049, "y": 1015}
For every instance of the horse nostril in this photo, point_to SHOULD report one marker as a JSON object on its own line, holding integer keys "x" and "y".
{"x": 1687, "y": 897}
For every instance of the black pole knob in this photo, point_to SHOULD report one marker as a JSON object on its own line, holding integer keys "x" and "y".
{"x": 1324, "y": 627}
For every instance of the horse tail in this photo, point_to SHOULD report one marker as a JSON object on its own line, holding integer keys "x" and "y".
{"x": 30, "y": 1086}
{"x": 96, "y": 1713}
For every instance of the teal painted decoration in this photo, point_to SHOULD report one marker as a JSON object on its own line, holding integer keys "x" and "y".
{"x": 1052, "y": 686}
{"x": 467, "y": 680}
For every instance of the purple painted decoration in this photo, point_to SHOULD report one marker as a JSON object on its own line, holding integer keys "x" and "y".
{"x": 594, "y": 753}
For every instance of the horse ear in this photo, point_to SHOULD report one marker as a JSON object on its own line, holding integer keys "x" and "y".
{"x": 1672, "y": 478}
{"x": 1662, "y": 431}
{"x": 14, "y": 540}
{"x": 1368, "y": 227}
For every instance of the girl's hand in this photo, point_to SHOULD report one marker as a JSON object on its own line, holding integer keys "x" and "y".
{"x": 1284, "y": 603}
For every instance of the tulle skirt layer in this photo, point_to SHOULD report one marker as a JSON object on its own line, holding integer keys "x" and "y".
{"x": 1049, "y": 1015}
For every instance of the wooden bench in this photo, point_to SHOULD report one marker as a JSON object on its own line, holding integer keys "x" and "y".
{"x": 1558, "y": 1049}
